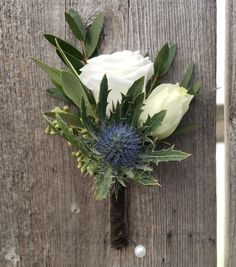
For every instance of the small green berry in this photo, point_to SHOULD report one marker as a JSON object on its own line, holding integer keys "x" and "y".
{"x": 80, "y": 158}
{"x": 83, "y": 131}
{"x": 77, "y": 154}
{"x": 52, "y": 132}
{"x": 66, "y": 108}
{"x": 47, "y": 130}
{"x": 79, "y": 165}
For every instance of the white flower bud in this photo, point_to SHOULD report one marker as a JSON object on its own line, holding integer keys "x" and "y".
{"x": 170, "y": 97}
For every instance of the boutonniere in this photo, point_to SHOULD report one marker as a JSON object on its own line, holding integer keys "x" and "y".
{"x": 120, "y": 114}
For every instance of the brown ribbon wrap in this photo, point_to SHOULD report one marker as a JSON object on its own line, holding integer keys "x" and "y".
{"x": 118, "y": 220}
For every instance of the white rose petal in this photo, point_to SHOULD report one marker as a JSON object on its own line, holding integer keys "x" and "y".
{"x": 168, "y": 97}
{"x": 122, "y": 69}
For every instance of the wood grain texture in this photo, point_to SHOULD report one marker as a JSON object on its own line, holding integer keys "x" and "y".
{"x": 230, "y": 133}
{"x": 48, "y": 214}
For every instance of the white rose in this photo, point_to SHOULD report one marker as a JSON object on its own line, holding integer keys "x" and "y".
{"x": 122, "y": 69}
{"x": 168, "y": 97}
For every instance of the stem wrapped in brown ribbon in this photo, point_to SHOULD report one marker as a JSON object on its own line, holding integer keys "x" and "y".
{"x": 118, "y": 220}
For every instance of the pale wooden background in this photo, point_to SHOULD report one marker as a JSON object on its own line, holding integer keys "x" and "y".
{"x": 48, "y": 214}
{"x": 230, "y": 133}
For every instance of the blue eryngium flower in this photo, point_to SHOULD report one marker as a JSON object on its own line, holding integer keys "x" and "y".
{"x": 119, "y": 145}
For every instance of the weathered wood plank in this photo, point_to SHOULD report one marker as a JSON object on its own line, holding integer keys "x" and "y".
{"x": 220, "y": 123}
{"x": 230, "y": 133}
{"x": 36, "y": 190}
{"x": 48, "y": 214}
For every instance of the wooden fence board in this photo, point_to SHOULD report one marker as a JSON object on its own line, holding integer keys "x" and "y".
{"x": 230, "y": 133}
{"x": 48, "y": 214}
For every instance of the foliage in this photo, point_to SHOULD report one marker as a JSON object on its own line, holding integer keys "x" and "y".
{"x": 114, "y": 149}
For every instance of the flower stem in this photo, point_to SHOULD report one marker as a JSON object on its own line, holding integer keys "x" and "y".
{"x": 118, "y": 238}
{"x": 84, "y": 52}
{"x": 153, "y": 84}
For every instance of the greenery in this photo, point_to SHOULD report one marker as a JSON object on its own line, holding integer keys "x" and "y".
{"x": 84, "y": 127}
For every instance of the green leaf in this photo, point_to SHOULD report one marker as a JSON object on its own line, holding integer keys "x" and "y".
{"x": 143, "y": 178}
{"x": 95, "y": 53}
{"x": 130, "y": 174}
{"x": 195, "y": 88}
{"x": 161, "y": 60}
{"x": 67, "y": 61}
{"x": 103, "y": 183}
{"x": 135, "y": 89}
{"x": 75, "y": 23}
{"x": 70, "y": 118}
{"x": 58, "y": 93}
{"x": 57, "y": 85}
{"x": 185, "y": 128}
{"x": 88, "y": 123}
{"x": 165, "y": 155}
{"x": 136, "y": 110}
{"x": 53, "y": 73}
{"x": 74, "y": 89}
{"x": 133, "y": 95}
{"x": 66, "y": 130}
{"x": 153, "y": 122}
{"x": 90, "y": 97}
{"x": 150, "y": 144}
{"x": 121, "y": 181}
{"x": 85, "y": 149}
{"x": 73, "y": 60}
{"x": 147, "y": 180}
{"x": 187, "y": 76}
{"x": 86, "y": 93}
{"x": 172, "y": 52}
{"x": 117, "y": 113}
{"x": 66, "y": 47}
{"x": 115, "y": 116}
{"x": 49, "y": 123}
{"x": 207, "y": 92}
{"x": 102, "y": 103}
{"x": 93, "y": 34}
{"x": 164, "y": 59}
{"x": 144, "y": 168}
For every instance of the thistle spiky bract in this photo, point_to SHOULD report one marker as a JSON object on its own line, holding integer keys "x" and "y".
{"x": 114, "y": 149}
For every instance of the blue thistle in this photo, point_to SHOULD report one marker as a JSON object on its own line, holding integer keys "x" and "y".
{"x": 119, "y": 145}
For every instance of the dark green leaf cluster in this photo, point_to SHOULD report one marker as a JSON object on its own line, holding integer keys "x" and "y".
{"x": 82, "y": 127}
